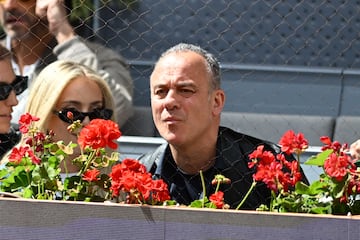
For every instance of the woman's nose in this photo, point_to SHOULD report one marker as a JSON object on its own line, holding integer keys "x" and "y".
{"x": 86, "y": 121}
{"x": 11, "y": 100}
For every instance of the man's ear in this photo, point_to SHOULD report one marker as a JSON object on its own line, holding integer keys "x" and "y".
{"x": 219, "y": 101}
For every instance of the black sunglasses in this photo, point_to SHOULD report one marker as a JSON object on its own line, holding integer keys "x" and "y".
{"x": 19, "y": 84}
{"x": 102, "y": 113}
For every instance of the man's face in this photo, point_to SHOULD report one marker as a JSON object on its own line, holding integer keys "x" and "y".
{"x": 182, "y": 104}
{"x": 18, "y": 17}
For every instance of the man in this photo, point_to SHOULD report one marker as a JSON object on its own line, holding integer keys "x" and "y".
{"x": 187, "y": 101}
{"x": 10, "y": 86}
{"x": 38, "y": 33}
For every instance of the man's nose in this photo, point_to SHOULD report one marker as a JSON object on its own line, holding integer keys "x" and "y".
{"x": 171, "y": 100}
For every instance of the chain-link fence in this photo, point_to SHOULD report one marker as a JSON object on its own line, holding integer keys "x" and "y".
{"x": 291, "y": 61}
{"x": 291, "y": 33}
{"x": 285, "y": 64}
{"x": 277, "y": 57}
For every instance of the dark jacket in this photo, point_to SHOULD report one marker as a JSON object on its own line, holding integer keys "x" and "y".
{"x": 232, "y": 160}
{"x": 8, "y": 141}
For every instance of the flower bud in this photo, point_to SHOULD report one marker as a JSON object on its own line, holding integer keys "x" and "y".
{"x": 220, "y": 179}
{"x": 70, "y": 115}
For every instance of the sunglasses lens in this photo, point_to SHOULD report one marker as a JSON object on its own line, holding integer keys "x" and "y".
{"x": 101, "y": 113}
{"x": 76, "y": 115}
{"x": 5, "y": 90}
{"x": 20, "y": 84}
{"x": 63, "y": 115}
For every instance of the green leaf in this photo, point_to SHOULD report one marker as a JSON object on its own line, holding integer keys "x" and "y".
{"x": 3, "y": 173}
{"x": 317, "y": 187}
{"x": 319, "y": 159}
{"x": 196, "y": 204}
{"x": 321, "y": 210}
{"x": 28, "y": 192}
{"x": 199, "y": 203}
{"x": 170, "y": 203}
{"x": 301, "y": 188}
{"x": 339, "y": 189}
{"x": 17, "y": 179}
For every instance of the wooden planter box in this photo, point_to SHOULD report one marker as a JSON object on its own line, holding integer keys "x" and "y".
{"x": 30, "y": 219}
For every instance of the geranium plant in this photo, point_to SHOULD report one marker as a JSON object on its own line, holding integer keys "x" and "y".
{"x": 337, "y": 191}
{"x": 33, "y": 169}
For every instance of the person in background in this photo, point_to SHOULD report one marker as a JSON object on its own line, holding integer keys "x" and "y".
{"x": 10, "y": 86}
{"x": 355, "y": 149}
{"x": 38, "y": 33}
{"x": 63, "y": 87}
{"x": 186, "y": 102}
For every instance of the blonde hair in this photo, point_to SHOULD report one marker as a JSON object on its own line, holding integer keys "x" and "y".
{"x": 50, "y": 83}
{"x": 48, "y": 86}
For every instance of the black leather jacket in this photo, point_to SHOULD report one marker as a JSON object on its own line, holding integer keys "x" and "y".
{"x": 232, "y": 160}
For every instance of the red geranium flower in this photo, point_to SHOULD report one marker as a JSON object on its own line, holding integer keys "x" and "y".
{"x": 276, "y": 172}
{"x": 217, "y": 199}
{"x": 91, "y": 175}
{"x": 17, "y": 154}
{"x": 160, "y": 192}
{"x": 338, "y": 166}
{"x": 25, "y": 121}
{"x": 33, "y": 157}
{"x": 130, "y": 177}
{"x": 99, "y": 133}
{"x": 336, "y": 146}
{"x": 293, "y": 143}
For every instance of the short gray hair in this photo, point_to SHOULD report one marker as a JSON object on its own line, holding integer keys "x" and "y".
{"x": 212, "y": 63}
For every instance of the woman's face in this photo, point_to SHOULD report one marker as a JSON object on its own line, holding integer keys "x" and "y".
{"x": 81, "y": 94}
{"x": 7, "y": 76}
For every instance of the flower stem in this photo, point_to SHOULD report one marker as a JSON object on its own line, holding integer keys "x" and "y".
{"x": 88, "y": 162}
{"x": 203, "y": 187}
{"x": 273, "y": 196}
{"x": 247, "y": 194}
{"x": 216, "y": 190}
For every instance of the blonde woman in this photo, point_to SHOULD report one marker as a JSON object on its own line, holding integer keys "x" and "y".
{"x": 63, "y": 87}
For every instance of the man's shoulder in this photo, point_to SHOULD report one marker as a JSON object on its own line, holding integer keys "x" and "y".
{"x": 244, "y": 140}
{"x": 148, "y": 159}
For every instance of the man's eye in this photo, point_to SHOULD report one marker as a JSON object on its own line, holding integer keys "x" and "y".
{"x": 186, "y": 92}
{"x": 160, "y": 92}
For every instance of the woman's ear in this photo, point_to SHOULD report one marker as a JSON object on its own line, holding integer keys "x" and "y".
{"x": 219, "y": 101}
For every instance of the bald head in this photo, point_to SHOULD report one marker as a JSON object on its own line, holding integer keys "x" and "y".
{"x": 212, "y": 64}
